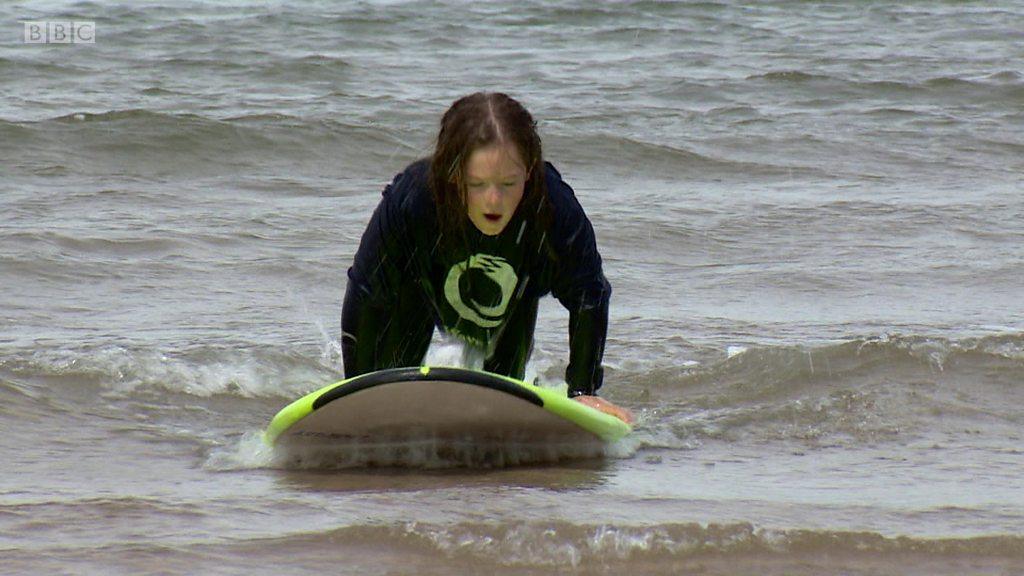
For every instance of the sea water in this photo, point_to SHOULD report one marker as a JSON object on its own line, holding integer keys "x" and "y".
{"x": 811, "y": 215}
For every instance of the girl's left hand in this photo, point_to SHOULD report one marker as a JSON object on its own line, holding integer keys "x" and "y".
{"x": 607, "y": 407}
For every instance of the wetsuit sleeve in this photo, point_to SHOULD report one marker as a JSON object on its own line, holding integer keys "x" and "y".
{"x": 580, "y": 285}
{"x": 374, "y": 280}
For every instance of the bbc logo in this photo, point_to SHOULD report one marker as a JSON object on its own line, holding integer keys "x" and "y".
{"x": 44, "y": 32}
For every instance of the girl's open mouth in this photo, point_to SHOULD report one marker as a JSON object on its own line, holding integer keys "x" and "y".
{"x": 493, "y": 217}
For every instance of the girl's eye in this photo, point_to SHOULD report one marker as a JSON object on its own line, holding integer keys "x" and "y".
{"x": 475, "y": 184}
{"x": 508, "y": 184}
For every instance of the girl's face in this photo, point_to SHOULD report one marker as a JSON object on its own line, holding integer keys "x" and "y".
{"x": 495, "y": 180}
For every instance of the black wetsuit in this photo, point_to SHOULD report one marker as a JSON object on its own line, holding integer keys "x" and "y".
{"x": 405, "y": 280}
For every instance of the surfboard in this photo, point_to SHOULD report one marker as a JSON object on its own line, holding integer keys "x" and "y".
{"x": 440, "y": 404}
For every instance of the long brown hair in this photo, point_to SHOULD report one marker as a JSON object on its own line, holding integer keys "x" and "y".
{"x": 473, "y": 122}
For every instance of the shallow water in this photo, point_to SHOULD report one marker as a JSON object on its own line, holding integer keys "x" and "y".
{"x": 811, "y": 216}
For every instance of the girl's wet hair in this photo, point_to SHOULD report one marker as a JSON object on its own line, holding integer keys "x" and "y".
{"x": 477, "y": 121}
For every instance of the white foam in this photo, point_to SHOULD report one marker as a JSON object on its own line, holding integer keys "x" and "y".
{"x": 449, "y": 352}
{"x": 202, "y": 372}
{"x": 455, "y": 353}
{"x": 734, "y": 351}
{"x": 250, "y": 452}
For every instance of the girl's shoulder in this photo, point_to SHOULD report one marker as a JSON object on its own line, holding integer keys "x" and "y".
{"x": 561, "y": 196}
{"x": 410, "y": 189}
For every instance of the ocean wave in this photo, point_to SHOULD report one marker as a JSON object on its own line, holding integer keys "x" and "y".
{"x": 863, "y": 390}
{"x": 595, "y": 149}
{"x": 309, "y": 68}
{"x": 117, "y": 246}
{"x": 13, "y": 131}
{"x": 28, "y": 67}
{"x": 579, "y": 546}
{"x": 518, "y": 548}
{"x": 995, "y": 90}
{"x": 1009, "y": 76}
{"x": 90, "y": 509}
{"x": 212, "y": 63}
{"x": 828, "y": 88}
{"x": 789, "y": 76}
{"x": 203, "y": 371}
{"x": 160, "y": 91}
{"x": 172, "y": 143}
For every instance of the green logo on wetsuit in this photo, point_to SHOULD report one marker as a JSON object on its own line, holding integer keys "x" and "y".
{"x": 480, "y": 289}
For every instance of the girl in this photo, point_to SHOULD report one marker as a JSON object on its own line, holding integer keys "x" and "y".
{"x": 468, "y": 240}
